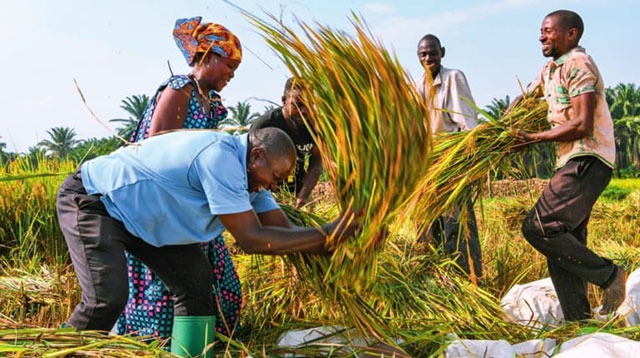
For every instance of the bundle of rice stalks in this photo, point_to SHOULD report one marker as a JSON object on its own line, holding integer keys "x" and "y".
{"x": 43, "y": 298}
{"x": 461, "y": 162}
{"x": 19, "y": 341}
{"x": 290, "y": 292}
{"x": 417, "y": 298}
{"x": 369, "y": 123}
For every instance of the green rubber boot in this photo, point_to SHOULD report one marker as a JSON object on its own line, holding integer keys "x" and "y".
{"x": 191, "y": 336}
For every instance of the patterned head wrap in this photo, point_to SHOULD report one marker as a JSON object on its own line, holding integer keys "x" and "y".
{"x": 193, "y": 37}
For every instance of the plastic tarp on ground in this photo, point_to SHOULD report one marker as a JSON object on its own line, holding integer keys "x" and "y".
{"x": 536, "y": 304}
{"x": 537, "y": 348}
{"x": 599, "y": 345}
{"x": 533, "y": 304}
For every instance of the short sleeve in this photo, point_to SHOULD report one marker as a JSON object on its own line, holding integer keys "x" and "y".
{"x": 222, "y": 177}
{"x": 264, "y": 201}
{"x": 178, "y": 82}
{"x": 581, "y": 75}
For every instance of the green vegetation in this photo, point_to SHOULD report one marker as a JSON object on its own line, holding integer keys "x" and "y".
{"x": 134, "y": 106}
{"x": 416, "y": 293}
{"x": 240, "y": 116}
{"x": 29, "y": 233}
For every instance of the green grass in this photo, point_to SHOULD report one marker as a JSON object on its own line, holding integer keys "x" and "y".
{"x": 619, "y": 189}
{"x": 631, "y": 184}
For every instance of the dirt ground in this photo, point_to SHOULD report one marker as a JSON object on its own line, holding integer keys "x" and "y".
{"x": 510, "y": 187}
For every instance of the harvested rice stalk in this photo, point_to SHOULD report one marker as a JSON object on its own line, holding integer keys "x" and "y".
{"x": 345, "y": 305}
{"x": 17, "y": 341}
{"x": 370, "y": 125}
{"x": 461, "y": 161}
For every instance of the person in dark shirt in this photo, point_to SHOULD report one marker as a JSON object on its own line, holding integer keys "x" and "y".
{"x": 289, "y": 118}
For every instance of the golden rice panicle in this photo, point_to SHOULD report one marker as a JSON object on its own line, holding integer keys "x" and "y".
{"x": 370, "y": 125}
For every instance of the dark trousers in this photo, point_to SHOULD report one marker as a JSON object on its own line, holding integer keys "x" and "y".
{"x": 97, "y": 243}
{"x": 450, "y": 232}
{"x": 557, "y": 227}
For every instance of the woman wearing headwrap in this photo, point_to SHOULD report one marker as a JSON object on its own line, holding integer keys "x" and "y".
{"x": 187, "y": 101}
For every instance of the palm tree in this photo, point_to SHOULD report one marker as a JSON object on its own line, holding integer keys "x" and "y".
{"x": 627, "y": 135}
{"x": 624, "y": 104}
{"x": 94, "y": 147}
{"x": 624, "y": 100}
{"x": 134, "y": 105}
{"x": 498, "y": 106}
{"x": 62, "y": 142}
{"x": 241, "y": 115}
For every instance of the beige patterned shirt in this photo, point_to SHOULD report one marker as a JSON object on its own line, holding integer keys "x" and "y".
{"x": 569, "y": 76}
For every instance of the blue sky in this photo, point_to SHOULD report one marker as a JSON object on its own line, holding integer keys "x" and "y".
{"x": 116, "y": 48}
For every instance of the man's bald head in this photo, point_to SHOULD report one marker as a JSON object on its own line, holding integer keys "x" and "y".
{"x": 568, "y": 19}
{"x": 275, "y": 142}
{"x": 270, "y": 159}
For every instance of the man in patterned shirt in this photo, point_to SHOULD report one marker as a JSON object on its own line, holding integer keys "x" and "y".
{"x": 583, "y": 129}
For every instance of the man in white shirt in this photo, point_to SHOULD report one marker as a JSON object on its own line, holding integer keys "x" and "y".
{"x": 450, "y": 99}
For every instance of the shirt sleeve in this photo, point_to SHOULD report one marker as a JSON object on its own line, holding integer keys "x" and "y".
{"x": 581, "y": 76}
{"x": 263, "y": 201}
{"x": 460, "y": 100}
{"x": 223, "y": 179}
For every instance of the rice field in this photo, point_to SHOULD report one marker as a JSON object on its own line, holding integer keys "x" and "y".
{"x": 416, "y": 295}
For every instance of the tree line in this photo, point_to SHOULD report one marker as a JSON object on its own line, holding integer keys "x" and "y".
{"x": 63, "y": 142}
{"x": 623, "y": 101}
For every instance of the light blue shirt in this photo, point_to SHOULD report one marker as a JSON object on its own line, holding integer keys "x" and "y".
{"x": 169, "y": 189}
